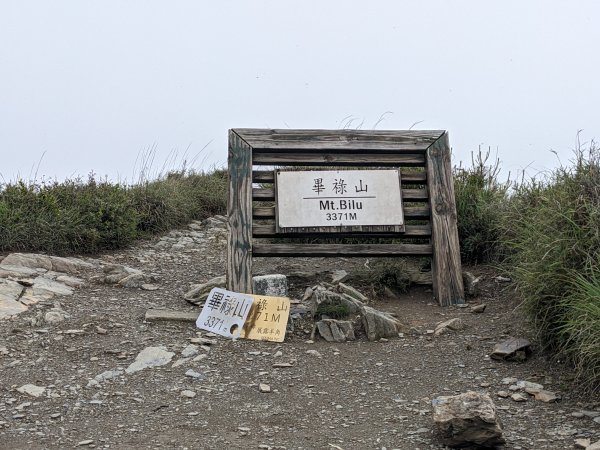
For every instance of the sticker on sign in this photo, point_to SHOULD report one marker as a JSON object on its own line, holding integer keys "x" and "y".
{"x": 225, "y": 312}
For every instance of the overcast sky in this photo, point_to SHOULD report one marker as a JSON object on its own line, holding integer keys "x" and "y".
{"x": 92, "y": 85}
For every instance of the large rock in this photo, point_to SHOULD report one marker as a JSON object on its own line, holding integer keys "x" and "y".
{"x": 45, "y": 262}
{"x": 10, "y": 293}
{"x": 352, "y": 292}
{"x": 513, "y": 348}
{"x": 323, "y": 296}
{"x": 379, "y": 324}
{"x": 468, "y": 419}
{"x": 336, "y": 330}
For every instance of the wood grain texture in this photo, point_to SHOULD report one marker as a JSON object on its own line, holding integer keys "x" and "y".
{"x": 387, "y": 250}
{"x": 239, "y": 213}
{"x": 338, "y": 159}
{"x": 408, "y": 178}
{"x": 383, "y": 141}
{"x": 260, "y": 230}
{"x": 446, "y": 266}
{"x": 410, "y": 212}
{"x": 408, "y": 195}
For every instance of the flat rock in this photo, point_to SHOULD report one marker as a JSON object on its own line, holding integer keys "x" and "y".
{"x": 193, "y": 374}
{"x": 338, "y": 276}
{"x": 42, "y": 285}
{"x": 55, "y": 316}
{"x": 150, "y": 357}
{"x": 10, "y": 293}
{"x": 187, "y": 393}
{"x": 190, "y": 350}
{"x": 546, "y": 396}
{"x": 156, "y": 315}
{"x": 455, "y": 324}
{"x": 105, "y": 376}
{"x": 510, "y": 348}
{"x": 352, "y": 292}
{"x": 478, "y": 309}
{"x": 594, "y": 446}
{"x": 518, "y": 397}
{"x": 32, "y": 390}
{"x": 198, "y": 292}
{"x": 265, "y": 388}
{"x": 582, "y": 443}
{"x": 468, "y": 419}
{"x": 54, "y": 263}
{"x": 522, "y": 384}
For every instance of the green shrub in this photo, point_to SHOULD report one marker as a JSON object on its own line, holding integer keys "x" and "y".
{"x": 333, "y": 310}
{"x": 579, "y": 331}
{"x": 479, "y": 202}
{"x": 552, "y": 227}
{"x": 87, "y": 217}
{"x": 391, "y": 273}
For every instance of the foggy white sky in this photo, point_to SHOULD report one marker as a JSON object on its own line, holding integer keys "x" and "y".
{"x": 92, "y": 84}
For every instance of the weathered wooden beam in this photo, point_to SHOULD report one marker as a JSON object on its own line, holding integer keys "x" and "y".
{"x": 446, "y": 266}
{"x": 338, "y": 159}
{"x": 336, "y": 140}
{"x": 260, "y": 230}
{"x": 388, "y": 250}
{"x": 410, "y": 212}
{"x": 408, "y": 195}
{"x": 239, "y": 212}
{"x": 268, "y": 177}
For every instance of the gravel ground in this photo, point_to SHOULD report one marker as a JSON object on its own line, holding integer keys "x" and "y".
{"x": 355, "y": 395}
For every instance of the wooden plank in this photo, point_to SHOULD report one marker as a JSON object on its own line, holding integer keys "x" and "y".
{"x": 446, "y": 266}
{"x": 260, "y": 230}
{"x": 409, "y": 195}
{"x": 239, "y": 212}
{"x": 410, "y": 212}
{"x": 337, "y": 159}
{"x": 263, "y": 140}
{"x": 156, "y": 315}
{"x": 268, "y": 177}
{"x": 263, "y": 176}
{"x": 388, "y": 250}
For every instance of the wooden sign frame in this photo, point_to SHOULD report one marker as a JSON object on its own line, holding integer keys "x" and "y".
{"x": 427, "y": 193}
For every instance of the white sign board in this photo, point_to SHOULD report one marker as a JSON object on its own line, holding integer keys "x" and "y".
{"x": 225, "y": 312}
{"x": 339, "y": 198}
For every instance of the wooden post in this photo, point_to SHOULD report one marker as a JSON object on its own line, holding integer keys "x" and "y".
{"x": 448, "y": 286}
{"x": 239, "y": 212}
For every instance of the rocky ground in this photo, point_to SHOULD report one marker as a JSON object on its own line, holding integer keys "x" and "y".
{"x": 80, "y": 365}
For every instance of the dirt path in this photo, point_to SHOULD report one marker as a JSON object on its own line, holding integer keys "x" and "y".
{"x": 356, "y": 395}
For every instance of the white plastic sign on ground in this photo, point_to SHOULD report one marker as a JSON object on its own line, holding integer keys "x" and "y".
{"x": 225, "y": 312}
{"x": 330, "y": 198}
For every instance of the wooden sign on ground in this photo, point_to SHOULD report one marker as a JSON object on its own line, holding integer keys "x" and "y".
{"x": 422, "y": 158}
